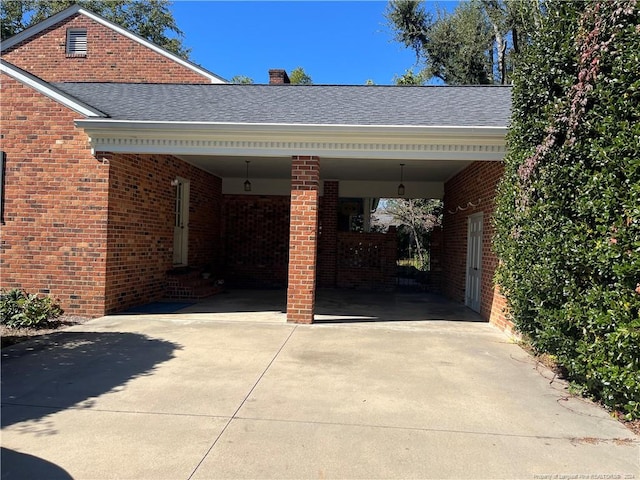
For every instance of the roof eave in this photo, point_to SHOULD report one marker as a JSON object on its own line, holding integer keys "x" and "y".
{"x": 196, "y": 128}
{"x": 370, "y": 141}
{"x": 49, "y": 90}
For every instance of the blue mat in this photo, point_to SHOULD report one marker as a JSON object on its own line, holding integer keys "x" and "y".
{"x": 158, "y": 307}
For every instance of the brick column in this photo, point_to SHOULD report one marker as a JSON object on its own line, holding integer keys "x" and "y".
{"x": 328, "y": 242}
{"x": 303, "y": 238}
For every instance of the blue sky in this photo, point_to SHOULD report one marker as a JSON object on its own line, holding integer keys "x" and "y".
{"x": 336, "y": 42}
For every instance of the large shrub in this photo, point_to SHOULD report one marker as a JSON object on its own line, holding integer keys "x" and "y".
{"x": 568, "y": 214}
{"x": 21, "y": 309}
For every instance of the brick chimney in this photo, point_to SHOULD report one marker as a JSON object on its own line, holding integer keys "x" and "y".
{"x": 278, "y": 76}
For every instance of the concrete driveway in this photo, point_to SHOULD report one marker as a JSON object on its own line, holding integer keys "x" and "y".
{"x": 227, "y": 389}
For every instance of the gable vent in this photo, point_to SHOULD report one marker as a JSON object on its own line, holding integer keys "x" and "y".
{"x": 77, "y": 42}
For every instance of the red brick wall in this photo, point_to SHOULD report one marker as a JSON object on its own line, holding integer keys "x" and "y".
{"x": 367, "y": 261}
{"x": 328, "y": 240}
{"x": 54, "y": 239}
{"x": 111, "y": 57}
{"x": 206, "y": 220}
{"x": 141, "y": 219}
{"x": 475, "y": 184}
{"x": 498, "y": 315}
{"x": 256, "y": 235}
{"x": 66, "y": 233}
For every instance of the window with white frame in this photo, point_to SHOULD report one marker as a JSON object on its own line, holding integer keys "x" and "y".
{"x": 77, "y": 42}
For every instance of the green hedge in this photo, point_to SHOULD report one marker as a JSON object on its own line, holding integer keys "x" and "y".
{"x": 568, "y": 208}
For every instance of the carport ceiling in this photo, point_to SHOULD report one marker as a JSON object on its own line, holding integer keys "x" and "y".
{"x": 330, "y": 168}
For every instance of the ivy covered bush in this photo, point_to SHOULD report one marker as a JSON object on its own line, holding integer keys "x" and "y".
{"x": 21, "y": 309}
{"x": 568, "y": 213}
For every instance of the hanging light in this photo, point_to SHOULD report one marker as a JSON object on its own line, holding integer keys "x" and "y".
{"x": 247, "y": 183}
{"x": 401, "y": 186}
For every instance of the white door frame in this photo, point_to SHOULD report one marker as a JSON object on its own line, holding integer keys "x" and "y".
{"x": 181, "y": 223}
{"x": 473, "y": 284}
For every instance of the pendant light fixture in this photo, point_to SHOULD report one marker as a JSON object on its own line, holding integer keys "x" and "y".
{"x": 247, "y": 183}
{"x": 401, "y": 186}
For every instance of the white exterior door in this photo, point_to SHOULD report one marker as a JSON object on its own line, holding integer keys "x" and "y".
{"x": 474, "y": 262}
{"x": 181, "y": 224}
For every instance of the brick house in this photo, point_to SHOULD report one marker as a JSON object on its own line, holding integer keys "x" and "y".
{"x": 128, "y": 170}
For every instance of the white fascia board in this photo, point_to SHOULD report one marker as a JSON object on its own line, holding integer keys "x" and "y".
{"x": 50, "y": 91}
{"x": 60, "y": 16}
{"x": 153, "y": 128}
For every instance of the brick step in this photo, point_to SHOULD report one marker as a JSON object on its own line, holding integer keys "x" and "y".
{"x": 190, "y": 286}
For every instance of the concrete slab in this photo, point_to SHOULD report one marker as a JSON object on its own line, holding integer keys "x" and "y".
{"x": 93, "y": 444}
{"x": 277, "y": 449}
{"x": 167, "y": 367}
{"x": 451, "y": 376}
{"x": 210, "y": 373}
{"x": 416, "y": 388}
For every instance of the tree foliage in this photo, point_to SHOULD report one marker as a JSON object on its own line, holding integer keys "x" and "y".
{"x": 419, "y": 216}
{"x": 151, "y": 19}
{"x": 568, "y": 208}
{"x": 299, "y": 77}
{"x": 475, "y": 44}
{"x": 242, "y": 80}
{"x": 409, "y": 78}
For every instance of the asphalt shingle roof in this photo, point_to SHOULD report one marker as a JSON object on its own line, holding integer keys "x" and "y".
{"x": 297, "y": 104}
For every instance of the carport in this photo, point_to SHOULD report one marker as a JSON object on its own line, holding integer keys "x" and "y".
{"x": 310, "y": 145}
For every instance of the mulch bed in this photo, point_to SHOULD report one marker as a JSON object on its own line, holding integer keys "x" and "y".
{"x": 11, "y": 336}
